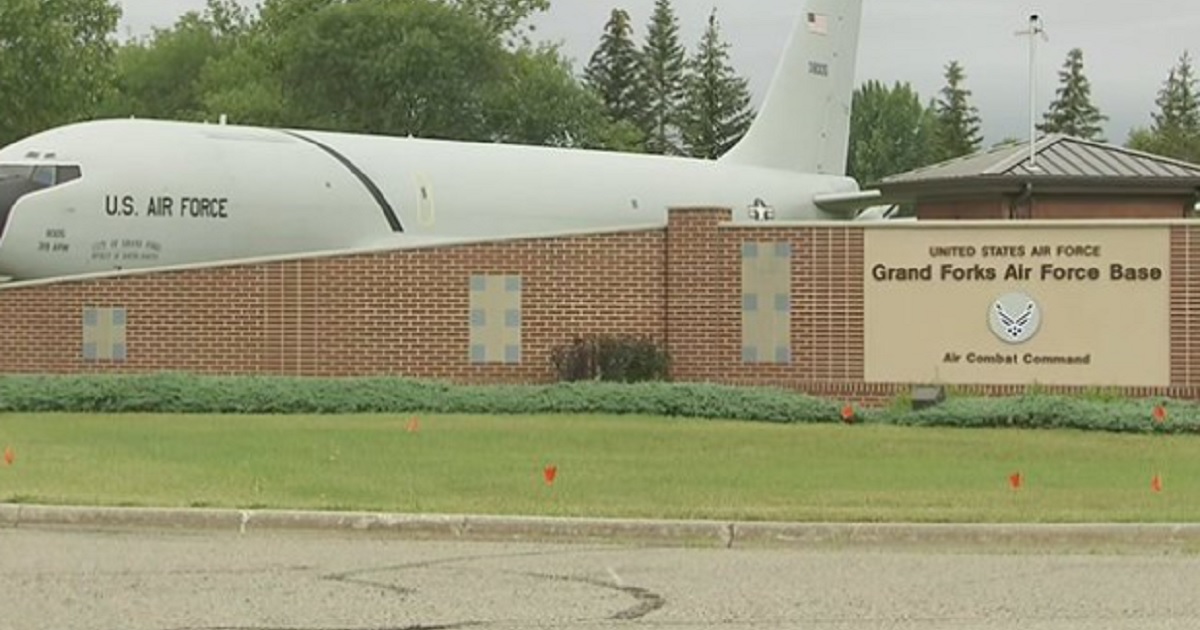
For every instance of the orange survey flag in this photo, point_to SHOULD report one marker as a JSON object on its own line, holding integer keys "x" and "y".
{"x": 1015, "y": 480}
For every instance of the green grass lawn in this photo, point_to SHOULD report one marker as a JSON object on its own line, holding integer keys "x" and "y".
{"x": 607, "y": 467}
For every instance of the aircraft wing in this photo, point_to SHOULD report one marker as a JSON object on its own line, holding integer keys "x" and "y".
{"x": 863, "y": 205}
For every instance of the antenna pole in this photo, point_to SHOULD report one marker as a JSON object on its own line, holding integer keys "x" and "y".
{"x": 1035, "y": 29}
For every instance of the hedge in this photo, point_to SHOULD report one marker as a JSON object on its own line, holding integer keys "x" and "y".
{"x": 181, "y": 393}
{"x": 1044, "y": 411}
{"x": 175, "y": 393}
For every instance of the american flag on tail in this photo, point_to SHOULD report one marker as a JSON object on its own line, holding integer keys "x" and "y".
{"x": 818, "y": 23}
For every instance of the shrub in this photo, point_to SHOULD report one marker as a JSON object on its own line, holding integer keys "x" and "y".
{"x": 179, "y": 393}
{"x": 1043, "y": 411}
{"x": 611, "y": 358}
{"x": 183, "y": 393}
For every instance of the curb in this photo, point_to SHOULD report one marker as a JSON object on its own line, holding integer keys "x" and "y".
{"x": 990, "y": 536}
{"x": 549, "y": 529}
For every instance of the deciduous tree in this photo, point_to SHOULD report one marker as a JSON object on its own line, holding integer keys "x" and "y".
{"x": 56, "y": 62}
{"x": 890, "y": 132}
{"x": 505, "y": 18}
{"x": 539, "y": 102}
{"x": 401, "y": 67}
{"x": 160, "y": 76}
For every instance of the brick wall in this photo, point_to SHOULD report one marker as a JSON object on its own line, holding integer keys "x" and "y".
{"x": 704, "y": 298}
{"x": 1083, "y": 207}
{"x": 408, "y": 312}
{"x": 991, "y": 208}
{"x": 1079, "y": 207}
{"x": 402, "y": 313}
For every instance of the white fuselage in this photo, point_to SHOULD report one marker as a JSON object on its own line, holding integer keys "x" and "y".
{"x": 126, "y": 194}
{"x": 156, "y": 193}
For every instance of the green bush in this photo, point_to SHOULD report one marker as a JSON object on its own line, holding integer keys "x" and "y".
{"x": 1044, "y": 411}
{"x": 176, "y": 393}
{"x": 182, "y": 393}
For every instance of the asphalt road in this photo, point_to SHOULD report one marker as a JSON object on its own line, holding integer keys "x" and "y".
{"x": 73, "y": 579}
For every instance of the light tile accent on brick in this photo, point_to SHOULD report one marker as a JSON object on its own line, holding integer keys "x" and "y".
{"x": 766, "y": 302}
{"x": 103, "y": 334}
{"x": 495, "y": 319}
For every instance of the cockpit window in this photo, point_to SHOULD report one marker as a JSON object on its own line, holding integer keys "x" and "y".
{"x": 68, "y": 173}
{"x": 18, "y": 180}
{"x": 43, "y": 175}
{"x": 15, "y": 171}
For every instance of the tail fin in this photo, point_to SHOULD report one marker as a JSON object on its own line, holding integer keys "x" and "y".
{"x": 804, "y": 123}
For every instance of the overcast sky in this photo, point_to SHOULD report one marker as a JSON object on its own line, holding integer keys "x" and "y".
{"x": 1129, "y": 45}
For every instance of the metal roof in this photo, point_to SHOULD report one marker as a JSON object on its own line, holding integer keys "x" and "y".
{"x": 1058, "y": 157}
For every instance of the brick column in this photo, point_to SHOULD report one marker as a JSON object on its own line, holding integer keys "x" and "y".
{"x": 701, "y": 309}
{"x": 1185, "y": 306}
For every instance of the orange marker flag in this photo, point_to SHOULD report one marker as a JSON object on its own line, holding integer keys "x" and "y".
{"x": 414, "y": 425}
{"x": 1160, "y": 414}
{"x": 550, "y": 473}
{"x": 9, "y": 456}
{"x": 1015, "y": 480}
{"x": 848, "y": 414}
{"x": 1156, "y": 484}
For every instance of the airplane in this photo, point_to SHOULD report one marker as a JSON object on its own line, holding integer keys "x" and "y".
{"x": 131, "y": 194}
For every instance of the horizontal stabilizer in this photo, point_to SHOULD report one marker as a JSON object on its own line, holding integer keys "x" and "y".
{"x": 848, "y": 204}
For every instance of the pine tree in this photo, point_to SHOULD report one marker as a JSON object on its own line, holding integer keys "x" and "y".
{"x": 1176, "y": 129}
{"x": 613, "y": 69}
{"x": 957, "y": 120}
{"x": 1178, "y": 101}
{"x": 662, "y": 73}
{"x": 716, "y": 111}
{"x": 1072, "y": 112}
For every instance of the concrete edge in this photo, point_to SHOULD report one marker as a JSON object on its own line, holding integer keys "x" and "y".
{"x": 165, "y": 518}
{"x": 10, "y": 515}
{"x": 1090, "y": 535}
{"x": 557, "y": 529}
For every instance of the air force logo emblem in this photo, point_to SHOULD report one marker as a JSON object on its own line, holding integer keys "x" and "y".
{"x": 1015, "y": 318}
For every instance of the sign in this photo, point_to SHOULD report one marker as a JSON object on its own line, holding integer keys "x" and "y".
{"x": 1015, "y": 318}
{"x": 1061, "y": 304}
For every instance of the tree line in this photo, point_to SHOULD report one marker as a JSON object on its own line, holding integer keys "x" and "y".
{"x": 893, "y": 131}
{"x": 471, "y": 70}
{"x": 448, "y": 69}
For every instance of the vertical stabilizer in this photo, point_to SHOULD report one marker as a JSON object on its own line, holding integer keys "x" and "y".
{"x": 804, "y": 122}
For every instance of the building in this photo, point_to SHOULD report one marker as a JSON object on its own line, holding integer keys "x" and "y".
{"x": 1060, "y": 177}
